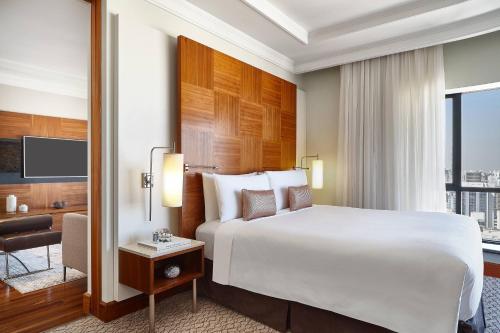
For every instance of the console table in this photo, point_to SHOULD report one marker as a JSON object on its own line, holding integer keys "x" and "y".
{"x": 142, "y": 269}
{"x": 57, "y": 214}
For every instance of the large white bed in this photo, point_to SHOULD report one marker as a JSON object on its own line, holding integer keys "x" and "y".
{"x": 398, "y": 270}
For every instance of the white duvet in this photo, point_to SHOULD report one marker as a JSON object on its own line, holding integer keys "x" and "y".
{"x": 405, "y": 271}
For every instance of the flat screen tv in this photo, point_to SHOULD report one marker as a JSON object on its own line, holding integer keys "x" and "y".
{"x": 54, "y": 158}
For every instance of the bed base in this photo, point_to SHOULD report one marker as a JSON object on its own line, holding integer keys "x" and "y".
{"x": 286, "y": 316}
{"x": 270, "y": 311}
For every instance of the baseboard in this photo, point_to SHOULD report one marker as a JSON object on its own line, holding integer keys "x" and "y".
{"x": 86, "y": 303}
{"x": 109, "y": 311}
{"x": 491, "y": 269}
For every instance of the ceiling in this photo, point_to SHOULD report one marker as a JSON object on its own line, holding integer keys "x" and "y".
{"x": 315, "y": 34}
{"x": 45, "y": 45}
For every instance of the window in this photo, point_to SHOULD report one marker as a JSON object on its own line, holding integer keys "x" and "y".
{"x": 472, "y": 159}
{"x": 449, "y": 141}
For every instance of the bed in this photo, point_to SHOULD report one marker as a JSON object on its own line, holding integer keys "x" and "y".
{"x": 370, "y": 267}
{"x": 326, "y": 266}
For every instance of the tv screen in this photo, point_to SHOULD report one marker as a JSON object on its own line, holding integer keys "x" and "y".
{"x": 50, "y": 157}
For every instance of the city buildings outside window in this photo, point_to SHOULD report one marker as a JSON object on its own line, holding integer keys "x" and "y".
{"x": 472, "y": 168}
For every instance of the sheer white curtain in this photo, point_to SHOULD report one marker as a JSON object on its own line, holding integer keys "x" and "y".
{"x": 391, "y": 132}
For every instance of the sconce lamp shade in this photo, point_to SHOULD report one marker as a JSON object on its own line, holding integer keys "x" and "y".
{"x": 317, "y": 174}
{"x": 173, "y": 180}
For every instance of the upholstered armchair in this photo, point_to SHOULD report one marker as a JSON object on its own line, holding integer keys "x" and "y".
{"x": 74, "y": 242}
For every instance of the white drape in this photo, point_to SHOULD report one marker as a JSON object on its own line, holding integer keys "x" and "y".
{"x": 391, "y": 132}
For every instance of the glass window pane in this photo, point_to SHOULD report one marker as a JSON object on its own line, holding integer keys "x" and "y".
{"x": 449, "y": 141}
{"x": 451, "y": 201}
{"x": 481, "y": 139}
{"x": 485, "y": 208}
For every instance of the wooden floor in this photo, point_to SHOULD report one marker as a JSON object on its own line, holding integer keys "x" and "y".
{"x": 492, "y": 269}
{"x": 41, "y": 309}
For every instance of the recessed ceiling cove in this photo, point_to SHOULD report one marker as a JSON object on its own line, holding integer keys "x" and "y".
{"x": 314, "y": 34}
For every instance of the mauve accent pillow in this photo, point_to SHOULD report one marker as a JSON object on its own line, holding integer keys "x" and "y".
{"x": 258, "y": 204}
{"x": 299, "y": 197}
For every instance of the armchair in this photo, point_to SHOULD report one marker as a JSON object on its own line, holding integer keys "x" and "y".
{"x": 74, "y": 242}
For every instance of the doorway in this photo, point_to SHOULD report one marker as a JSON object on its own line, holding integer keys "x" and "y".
{"x": 45, "y": 283}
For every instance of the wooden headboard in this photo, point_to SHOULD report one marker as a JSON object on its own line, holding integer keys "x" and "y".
{"x": 231, "y": 115}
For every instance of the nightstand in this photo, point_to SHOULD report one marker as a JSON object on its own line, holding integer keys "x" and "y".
{"x": 142, "y": 269}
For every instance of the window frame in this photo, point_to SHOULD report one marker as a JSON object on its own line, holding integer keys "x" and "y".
{"x": 456, "y": 184}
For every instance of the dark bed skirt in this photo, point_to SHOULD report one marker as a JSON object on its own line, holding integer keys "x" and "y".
{"x": 307, "y": 319}
{"x": 285, "y": 315}
{"x": 270, "y": 311}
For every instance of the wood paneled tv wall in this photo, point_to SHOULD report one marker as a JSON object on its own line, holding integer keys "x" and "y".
{"x": 231, "y": 115}
{"x": 41, "y": 195}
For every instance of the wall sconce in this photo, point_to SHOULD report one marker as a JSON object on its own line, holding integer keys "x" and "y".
{"x": 173, "y": 178}
{"x": 317, "y": 174}
{"x": 316, "y": 170}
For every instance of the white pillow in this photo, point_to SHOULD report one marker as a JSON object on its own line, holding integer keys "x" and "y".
{"x": 281, "y": 180}
{"x": 210, "y": 196}
{"x": 228, "y": 189}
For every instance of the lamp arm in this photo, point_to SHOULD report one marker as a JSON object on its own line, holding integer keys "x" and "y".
{"x": 150, "y": 175}
{"x": 308, "y": 156}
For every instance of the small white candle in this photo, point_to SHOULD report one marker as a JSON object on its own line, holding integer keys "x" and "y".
{"x": 11, "y": 203}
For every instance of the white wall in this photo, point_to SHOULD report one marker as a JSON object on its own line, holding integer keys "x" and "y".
{"x": 473, "y": 61}
{"x": 22, "y": 100}
{"x": 146, "y": 118}
{"x": 142, "y": 47}
{"x": 323, "y": 88}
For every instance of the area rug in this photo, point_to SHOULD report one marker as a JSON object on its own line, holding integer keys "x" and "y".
{"x": 491, "y": 302}
{"x": 173, "y": 315}
{"x": 36, "y": 259}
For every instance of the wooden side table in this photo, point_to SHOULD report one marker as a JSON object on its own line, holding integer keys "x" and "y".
{"x": 142, "y": 269}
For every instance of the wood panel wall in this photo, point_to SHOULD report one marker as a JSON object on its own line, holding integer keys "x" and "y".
{"x": 15, "y": 125}
{"x": 231, "y": 115}
{"x": 39, "y": 196}
{"x": 42, "y": 196}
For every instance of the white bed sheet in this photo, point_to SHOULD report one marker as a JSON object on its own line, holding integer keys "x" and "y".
{"x": 399, "y": 270}
{"x": 206, "y": 233}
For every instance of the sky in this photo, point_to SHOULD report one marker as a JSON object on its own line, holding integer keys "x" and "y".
{"x": 480, "y": 130}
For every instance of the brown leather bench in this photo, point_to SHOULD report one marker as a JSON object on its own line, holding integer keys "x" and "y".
{"x": 26, "y": 233}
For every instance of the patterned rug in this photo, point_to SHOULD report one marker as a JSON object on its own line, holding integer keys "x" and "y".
{"x": 491, "y": 299}
{"x": 36, "y": 259}
{"x": 173, "y": 315}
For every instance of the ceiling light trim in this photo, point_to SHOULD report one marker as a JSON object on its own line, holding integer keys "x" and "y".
{"x": 280, "y": 19}
{"x": 223, "y": 30}
{"x": 467, "y": 28}
{"x": 374, "y": 20}
{"x": 22, "y": 75}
